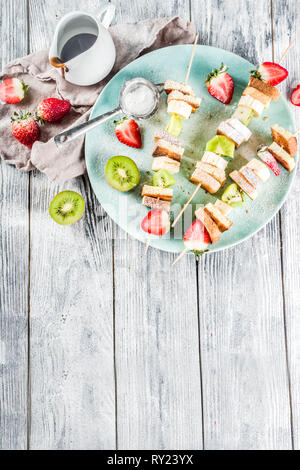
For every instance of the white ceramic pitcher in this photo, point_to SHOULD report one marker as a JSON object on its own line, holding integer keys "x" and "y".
{"x": 95, "y": 63}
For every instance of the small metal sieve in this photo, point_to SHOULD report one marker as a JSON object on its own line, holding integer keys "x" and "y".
{"x": 130, "y": 85}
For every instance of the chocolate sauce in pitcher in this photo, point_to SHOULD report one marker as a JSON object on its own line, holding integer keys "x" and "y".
{"x": 77, "y": 45}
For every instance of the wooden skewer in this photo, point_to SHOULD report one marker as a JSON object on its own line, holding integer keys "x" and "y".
{"x": 147, "y": 244}
{"x": 180, "y": 256}
{"x": 286, "y": 51}
{"x": 186, "y": 204}
{"x": 191, "y": 59}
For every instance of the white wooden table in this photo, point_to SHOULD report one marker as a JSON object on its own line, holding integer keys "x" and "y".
{"x": 101, "y": 350}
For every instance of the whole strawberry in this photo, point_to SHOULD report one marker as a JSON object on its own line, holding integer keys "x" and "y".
{"x": 52, "y": 110}
{"x": 25, "y": 129}
{"x": 13, "y": 90}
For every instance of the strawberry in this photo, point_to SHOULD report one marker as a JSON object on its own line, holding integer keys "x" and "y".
{"x": 156, "y": 222}
{"x": 196, "y": 237}
{"x": 52, "y": 110}
{"x": 128, "y": 132}
{"x": 295, "y": 98}
{"x": 271, "y": 73}
{"x": 269, "y": 160}
{"x": 220, "y": 84}
{"x": 13, "y": 90}
{"x": 25, "y": 129}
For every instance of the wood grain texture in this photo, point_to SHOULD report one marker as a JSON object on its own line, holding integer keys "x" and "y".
{"x": 157, "y": 344}
{"x": 245, "y": 386}
{"x": 286, "y": 19}
{"x": 72, "y": 362}
{"x": 14, "y": 261}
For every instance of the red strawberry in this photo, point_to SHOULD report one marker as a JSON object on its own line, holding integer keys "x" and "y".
{"x": 52, "y": 110}
{"x": 156, "y": 222}
{"x": 196, "y": 237}
{"x": 128, "y": 132}
{"x": 269, "y": 160}
{"x": 271, "y": 73}
{"x": 25, "y": 129}
{"x": 295, "y": 98}
{"x": 220, "y": 84}
{"x": 13, "y": 90}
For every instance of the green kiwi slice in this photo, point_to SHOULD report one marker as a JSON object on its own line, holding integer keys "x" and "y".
{"x": 122, "y": 173}
{"x": 67, "y": 208}
{"x": 163, "y": 179}
{"x": 234, "y": 196}
{"x": 221, "y": 145}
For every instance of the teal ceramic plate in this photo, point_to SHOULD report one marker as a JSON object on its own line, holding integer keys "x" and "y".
{"x": 101, "y": 144}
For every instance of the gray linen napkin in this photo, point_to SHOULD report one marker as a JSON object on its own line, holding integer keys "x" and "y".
{"x": 131, "y": 40}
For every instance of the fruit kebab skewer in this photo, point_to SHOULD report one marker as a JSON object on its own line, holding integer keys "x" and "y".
{"x": 168, "y": 150}
{"x": 234, "y": 132}
{"x": 182, "y": 102}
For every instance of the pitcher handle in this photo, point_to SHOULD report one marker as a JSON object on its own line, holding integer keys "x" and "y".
{"x": 109, "y": 12}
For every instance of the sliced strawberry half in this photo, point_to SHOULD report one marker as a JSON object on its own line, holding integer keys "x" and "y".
{"x": 128, "y": 132}
{"x": 196, "y": 237}
{"x": 269, "y": 160}
{"x": 156, "y": 222}
{"x": 295, "y": 98}
{"x": 13, "y": 90}
{"x": 271, "y": 73}
{"x": 220, "y": 84}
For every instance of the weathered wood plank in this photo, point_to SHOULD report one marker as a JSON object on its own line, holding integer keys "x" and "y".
{"x": 286, "y": 19}
{"x": 72, "y": 373}
{"x": 157, "y": 347}
{"x": 245, "y": 387}
{"x": 14, "y": 261}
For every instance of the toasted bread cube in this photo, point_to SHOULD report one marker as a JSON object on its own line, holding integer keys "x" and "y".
{"x": 163, "y": 135}
{"x": 155, "y": 203}
{"x": 220, "y": 219}
{"x": 223, "y": 207}
{"x": 258, "y": 95}
{"x": 207, "y": 182}
{"x": 265, "y": 88}
{"x": 216, "y": 173}
{"x": 250, "y": 176}
{"x": 214, "y": 160}
{"x": 238, "y": 178}
{"x": 240, "y": 127}
{"x": 209, "y": 224}
{"x": 180, "y": 108}
{"x": 166, "y": 194}
{"x": 259, "y": 169}
{"x": 165, "y": 163}
{"x": 225, "y": 129}
{"x": 171, "y": 85}
{"x": 193, "y": 101}
{"x": 285, "y": 139}
{"x": 256, "y": 106}
{"x": 282, "y": 156}
{"x": 164, "y": 148}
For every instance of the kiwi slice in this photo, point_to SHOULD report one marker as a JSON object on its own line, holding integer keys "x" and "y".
{"x": 163, "y": 179}
{"x": 122, "y": 173}
{"x": 174, "y": 126}
{"x": 67, "y": 208}
{"x": 221, "y": 145}
{"x": 234, "y": 196}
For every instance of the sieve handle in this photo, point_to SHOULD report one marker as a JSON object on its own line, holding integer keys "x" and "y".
{"x": 75, "y": 132}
